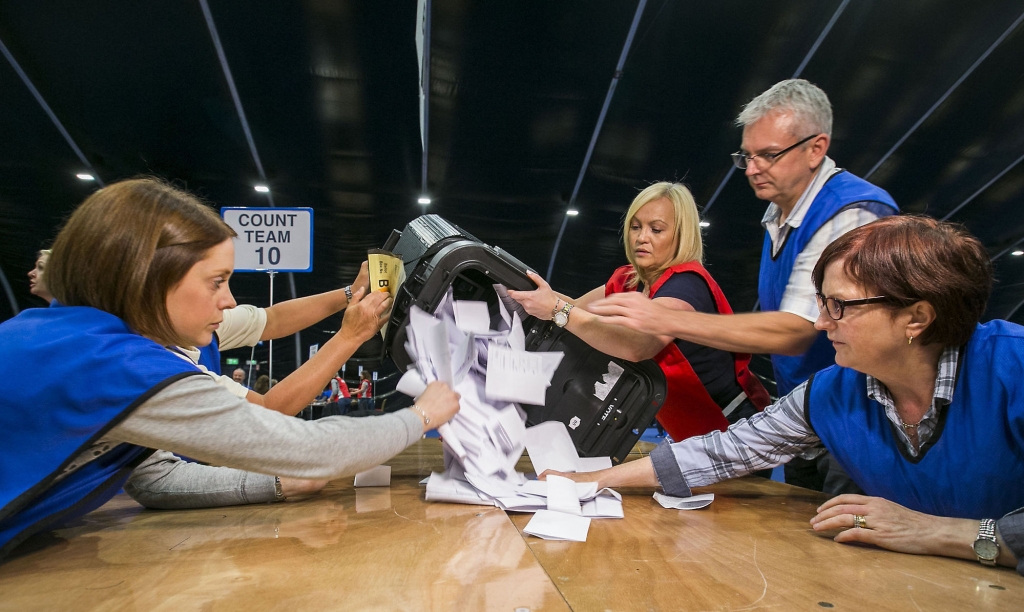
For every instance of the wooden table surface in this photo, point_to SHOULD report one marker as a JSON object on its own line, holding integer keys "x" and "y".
{"x": 388, "y": 549}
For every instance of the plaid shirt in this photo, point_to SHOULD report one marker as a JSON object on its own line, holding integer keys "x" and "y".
{"x": 778, "y": 434}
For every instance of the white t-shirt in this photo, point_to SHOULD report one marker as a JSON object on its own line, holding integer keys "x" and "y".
{"x": 242, "y": 326}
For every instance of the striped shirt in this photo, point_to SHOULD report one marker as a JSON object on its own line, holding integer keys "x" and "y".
{"x": 778, "y": 434}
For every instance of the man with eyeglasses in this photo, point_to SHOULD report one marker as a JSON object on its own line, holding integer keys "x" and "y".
{"x": 786, "y": 134}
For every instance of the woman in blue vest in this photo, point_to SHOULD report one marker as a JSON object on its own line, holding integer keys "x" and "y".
{"x": 88, "y": 387}
{"x": 924, "y": 407}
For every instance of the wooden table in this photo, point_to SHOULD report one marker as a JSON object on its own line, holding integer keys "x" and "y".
{"x": 387, "y": 549}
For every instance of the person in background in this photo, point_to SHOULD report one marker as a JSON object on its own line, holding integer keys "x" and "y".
{"x": 923, "y": 407}
{"x": 36, "y": 282}
{"x": 98, "y": 360}
{"x": 238, "y": 376}
{"x": 786, "y": 135}
{"x": 707, "y": 388}
{"x": 340, "y": 393}
{"x": 365, "y": 391}
{"x": 262, "y": 384}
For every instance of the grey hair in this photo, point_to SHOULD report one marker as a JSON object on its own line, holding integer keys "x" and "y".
{"x": 807, "y": 102}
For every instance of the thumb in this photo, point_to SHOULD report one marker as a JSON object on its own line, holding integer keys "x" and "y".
{"x": 537, "y": 279}
{"x": 357, "y": 296}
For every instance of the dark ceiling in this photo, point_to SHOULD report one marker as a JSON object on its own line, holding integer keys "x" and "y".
{"x": 928, "y": 98}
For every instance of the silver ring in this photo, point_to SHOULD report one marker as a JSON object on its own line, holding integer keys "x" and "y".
{"x": 859, "y": 522}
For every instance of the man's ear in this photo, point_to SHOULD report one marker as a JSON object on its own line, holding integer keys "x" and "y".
{"x": 818, "y": 149}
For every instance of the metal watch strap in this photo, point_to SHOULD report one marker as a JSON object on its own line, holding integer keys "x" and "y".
{"x": 556, "y": 309}
{"x": 426, "y": 419}
{"x": 278, "y": 491}
{"x": 348, "y": 293}
{"x": 987, "y": 531}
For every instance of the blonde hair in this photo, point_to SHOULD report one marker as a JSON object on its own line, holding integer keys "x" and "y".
{"x": 689, "y": 245}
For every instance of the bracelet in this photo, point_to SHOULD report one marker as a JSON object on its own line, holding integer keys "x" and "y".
{"x": 278, "y": 492}
{"x": 426, "y": 419}
{"x": 348, "y": 293}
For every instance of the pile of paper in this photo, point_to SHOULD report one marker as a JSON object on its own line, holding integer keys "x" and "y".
{"x": 492, "y": 371}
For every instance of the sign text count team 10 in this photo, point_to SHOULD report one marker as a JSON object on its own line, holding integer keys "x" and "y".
{"x": 279, "y": 239}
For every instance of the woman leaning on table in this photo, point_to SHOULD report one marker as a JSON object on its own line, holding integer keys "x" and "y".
{"x": 924, "y": 409}
{"x": 88, "y": 385}
{"x": 707, "y": 388}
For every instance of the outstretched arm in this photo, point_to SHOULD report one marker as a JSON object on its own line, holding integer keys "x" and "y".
{"x": 615, "y": 340}
{"x": 779, "y": 333}
{"x": 288, "y": 317}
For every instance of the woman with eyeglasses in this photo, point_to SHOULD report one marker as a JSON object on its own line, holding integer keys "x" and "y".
{"x": 924, "y": 407}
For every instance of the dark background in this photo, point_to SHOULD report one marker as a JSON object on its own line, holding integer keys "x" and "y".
{"x": 932, "y": 89}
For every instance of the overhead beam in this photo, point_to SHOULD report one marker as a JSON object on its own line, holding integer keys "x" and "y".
{"x": 796, "y": 74}
{"x": 49, "y": 112}
{"x": 637, "y": 15}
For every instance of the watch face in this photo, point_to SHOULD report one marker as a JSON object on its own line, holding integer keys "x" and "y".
{"x": 986, "y": 549}
{"x": 561, "y": 319}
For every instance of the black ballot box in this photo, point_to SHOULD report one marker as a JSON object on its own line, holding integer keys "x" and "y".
{"x": 603, "y": 420}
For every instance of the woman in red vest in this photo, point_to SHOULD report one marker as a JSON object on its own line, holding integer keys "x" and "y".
{"x": 707, "y": 388}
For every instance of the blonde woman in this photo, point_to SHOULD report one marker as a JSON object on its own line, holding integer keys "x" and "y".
{"x": 707, "y": 388}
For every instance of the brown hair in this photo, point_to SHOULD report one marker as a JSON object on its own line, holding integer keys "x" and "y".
{"x": 911, "y": 259}
{"x": 126, "y": 246}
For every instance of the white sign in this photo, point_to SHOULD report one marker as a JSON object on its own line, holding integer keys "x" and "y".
{"x": 313, "y": 348}
{"x": 279, "y": 239}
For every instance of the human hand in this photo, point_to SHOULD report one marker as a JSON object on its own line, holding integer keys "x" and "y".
{"x": 298, "y": 487}
{"x": 573, "y": 476}
{"x": 438, "y": 403}
{"x": 365, "y": 315}
{"x": 887, "y": 524}
{"x": 540, "y": 302}
{"x": 362, "y": 279}
{"x": 635, "y": 311}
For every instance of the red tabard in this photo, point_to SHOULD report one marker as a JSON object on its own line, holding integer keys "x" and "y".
{"x": 688, "y": 409}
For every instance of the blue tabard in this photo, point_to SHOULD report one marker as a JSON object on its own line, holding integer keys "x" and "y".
{"x": 67, "y": 376}
{"x": 973, "y": 465}
{"x": 843, "y": 190}
{"x": 209, "y": 356}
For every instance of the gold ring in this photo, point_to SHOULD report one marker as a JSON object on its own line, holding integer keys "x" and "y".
{"x": 859, "y": 522}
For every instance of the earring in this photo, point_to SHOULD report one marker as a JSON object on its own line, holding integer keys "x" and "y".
{"x": 910, "y": 340}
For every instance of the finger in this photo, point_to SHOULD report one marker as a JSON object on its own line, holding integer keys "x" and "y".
{"x": 357, "y": 296}
{"x": 537, "y": 280}
{"x": 866, "y": 536}
{"x": 846, "y": 498}
{"x": 845, "y": 509}
{"x": 842, "y": 521}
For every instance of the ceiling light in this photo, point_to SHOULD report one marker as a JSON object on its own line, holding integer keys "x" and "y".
{"x": 705, "y": 224}
{"x": 1017, "y": 253}
{"x": 423, "y": 200}
{"x": 572, "y": 212}
{"x": 86, "y": 177}
{"x": 262, "y": 188}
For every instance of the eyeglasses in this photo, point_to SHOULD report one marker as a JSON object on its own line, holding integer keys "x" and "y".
{"x": 741, "y": 159}
{"x": 835, "y": 307}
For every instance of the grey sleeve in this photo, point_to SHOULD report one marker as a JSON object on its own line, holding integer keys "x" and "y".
{"x": 167, "y": 482}
{"x": 198, "y": 418}
{"x": 1011, "y": 527}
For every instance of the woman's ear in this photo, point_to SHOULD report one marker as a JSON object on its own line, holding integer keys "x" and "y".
{"x": 922, "y": 315}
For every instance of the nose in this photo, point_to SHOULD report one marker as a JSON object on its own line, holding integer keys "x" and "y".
{"x": 824, "y": 322}
{"x": 751, "y": 169}
{"x": 228, "y": 300}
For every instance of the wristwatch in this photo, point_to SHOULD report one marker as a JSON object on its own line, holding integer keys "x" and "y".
{"x": 278, "y": 492}
{"x": 561, "y": 317}
{"x": 348, "y": 293}
{"x": 986, "y": 547}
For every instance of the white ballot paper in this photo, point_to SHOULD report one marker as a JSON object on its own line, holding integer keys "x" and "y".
{"x": 551, "y": 448}
{"x": 695, "y": 502}
{"x": 491, "y": 371}
{"x": 551, "y": 525}
{"x": 593, "y": 464}
{"x": 379, "y": 476}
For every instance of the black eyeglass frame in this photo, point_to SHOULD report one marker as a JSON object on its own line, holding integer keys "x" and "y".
{"x": 741, "y": 160}
{"x": 823, "y": 303}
